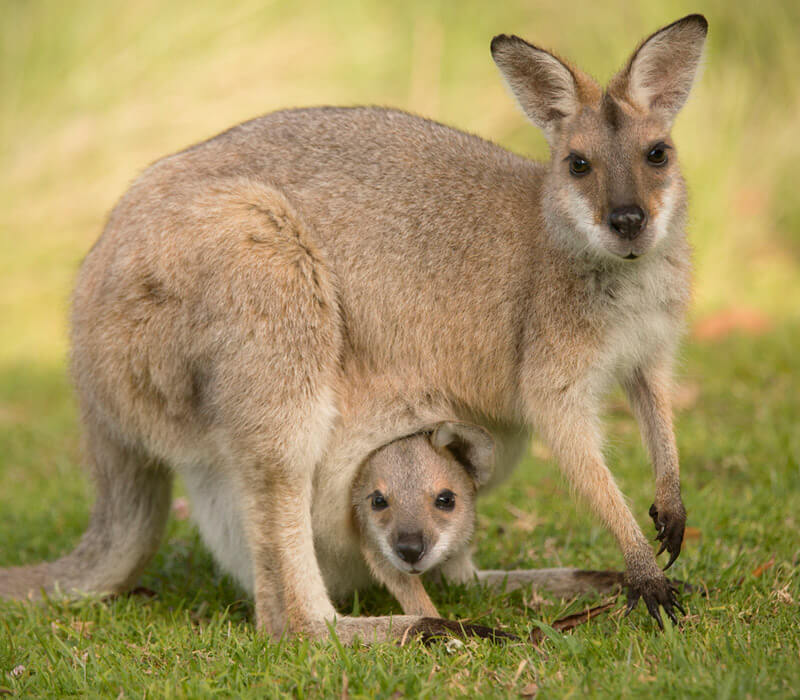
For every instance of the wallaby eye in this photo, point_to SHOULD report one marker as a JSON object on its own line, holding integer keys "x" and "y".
{"x": 578, "y": 165}
{"x": 379, "y": 501}
{"x": 658, "y": 155}
{"x": 446, "y": 500}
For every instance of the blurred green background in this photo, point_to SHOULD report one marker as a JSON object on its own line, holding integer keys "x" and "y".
{"x": 92, "y": 91}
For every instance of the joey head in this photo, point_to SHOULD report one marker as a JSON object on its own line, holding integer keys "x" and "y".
{"x": 414, "y": 502}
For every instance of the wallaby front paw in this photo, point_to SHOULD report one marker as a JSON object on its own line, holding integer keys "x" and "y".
{"x": 670, "y": 522}
{"x": 656, "y": 592}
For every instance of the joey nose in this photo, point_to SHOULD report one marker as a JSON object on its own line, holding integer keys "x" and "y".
{"x": 627, "y": 221}
{"x": 410, "y": 547}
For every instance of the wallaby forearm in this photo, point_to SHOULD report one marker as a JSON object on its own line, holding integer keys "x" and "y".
{"x": 649, "y": 394}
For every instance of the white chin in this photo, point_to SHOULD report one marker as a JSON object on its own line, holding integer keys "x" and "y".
{"x": 415, "y": 569}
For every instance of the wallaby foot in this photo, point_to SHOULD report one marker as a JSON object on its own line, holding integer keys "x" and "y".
{"x": 655, "y": 592}
{"x": 402, "y": 628}
{"x": 652, "y": 586}
{"x": 568, "y": 583}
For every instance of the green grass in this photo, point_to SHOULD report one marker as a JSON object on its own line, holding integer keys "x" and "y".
{"x": 91, "y": 91}
{"x": 741, "y": 452}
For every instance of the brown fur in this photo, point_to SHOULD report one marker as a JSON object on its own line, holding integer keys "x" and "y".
{"x": 409, "y": 475}
{"x": 244, "y": 289}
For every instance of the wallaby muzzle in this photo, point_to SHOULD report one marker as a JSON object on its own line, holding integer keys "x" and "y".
{"x": 410, "y": 547}
{"x": 628, "y": 221}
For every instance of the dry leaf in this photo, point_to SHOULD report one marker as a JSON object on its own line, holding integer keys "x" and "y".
{"x": 529, "y": 690}
{"x": 522, "y": 665}
{"x": 761, "y": 569}
{"x": 782, "y": 595}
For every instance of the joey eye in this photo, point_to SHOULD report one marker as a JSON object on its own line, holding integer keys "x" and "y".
{"x": 446, "y": 500}
{"x": 578, "y": 165}
{"x": 379, "y": 501}
{"x": 657, "y": 155}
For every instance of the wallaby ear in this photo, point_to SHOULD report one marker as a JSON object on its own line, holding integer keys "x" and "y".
{"x": 660, "y": 74}
{"x": 470, "y": 444}
{"x": 546, "y": 89}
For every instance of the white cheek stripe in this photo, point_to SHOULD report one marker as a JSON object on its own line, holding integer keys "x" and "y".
{"x": 439, "y": 552}
{"x": 582, "y": 217}
{"x": 580, "y": 212}
{"x": 386, "y": 548}
{"x": 662, "y": 222}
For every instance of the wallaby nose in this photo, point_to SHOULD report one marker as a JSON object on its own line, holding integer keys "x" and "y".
{"x": 627, "y": 221}
{"x": 410, "y": 547}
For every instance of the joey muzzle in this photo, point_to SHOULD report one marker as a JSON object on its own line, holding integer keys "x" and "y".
{"x": 410, "y": 547}
{"x": 628, "y": 221}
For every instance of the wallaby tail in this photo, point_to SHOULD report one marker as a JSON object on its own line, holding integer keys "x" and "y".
{"x": 125, "y": 529}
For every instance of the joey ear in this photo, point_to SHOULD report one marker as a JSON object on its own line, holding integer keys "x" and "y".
{"x": 470, "y": 444}
{"x": 660, "y": 74}
{"x": 546, "y": 88}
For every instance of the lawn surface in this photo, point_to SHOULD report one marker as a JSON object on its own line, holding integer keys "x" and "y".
{"x": 90, "y": 92}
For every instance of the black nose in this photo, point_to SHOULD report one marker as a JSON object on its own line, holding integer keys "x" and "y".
{"x": 410, "y": 547}
{"x": 627, "y": 221}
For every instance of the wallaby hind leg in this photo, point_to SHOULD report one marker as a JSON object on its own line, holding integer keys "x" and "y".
{"x": 125, "y": 527}
{"x": 290, "y": 594}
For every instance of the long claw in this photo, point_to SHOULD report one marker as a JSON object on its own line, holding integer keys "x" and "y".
{"x": 632, "y": 601}
{"x": 679, "y": 606}
{"x": 672, "y": 559}
{"x": 669, "y": 529}
{"x": 671, "y": 614}
{"x": 652, "y": 607}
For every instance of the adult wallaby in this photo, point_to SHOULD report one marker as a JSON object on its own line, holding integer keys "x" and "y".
{"x": 246, "y": 289}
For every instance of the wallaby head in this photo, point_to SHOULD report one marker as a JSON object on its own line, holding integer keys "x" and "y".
{"x": 614, "y": 177}
{"x": 414, "y": 498}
